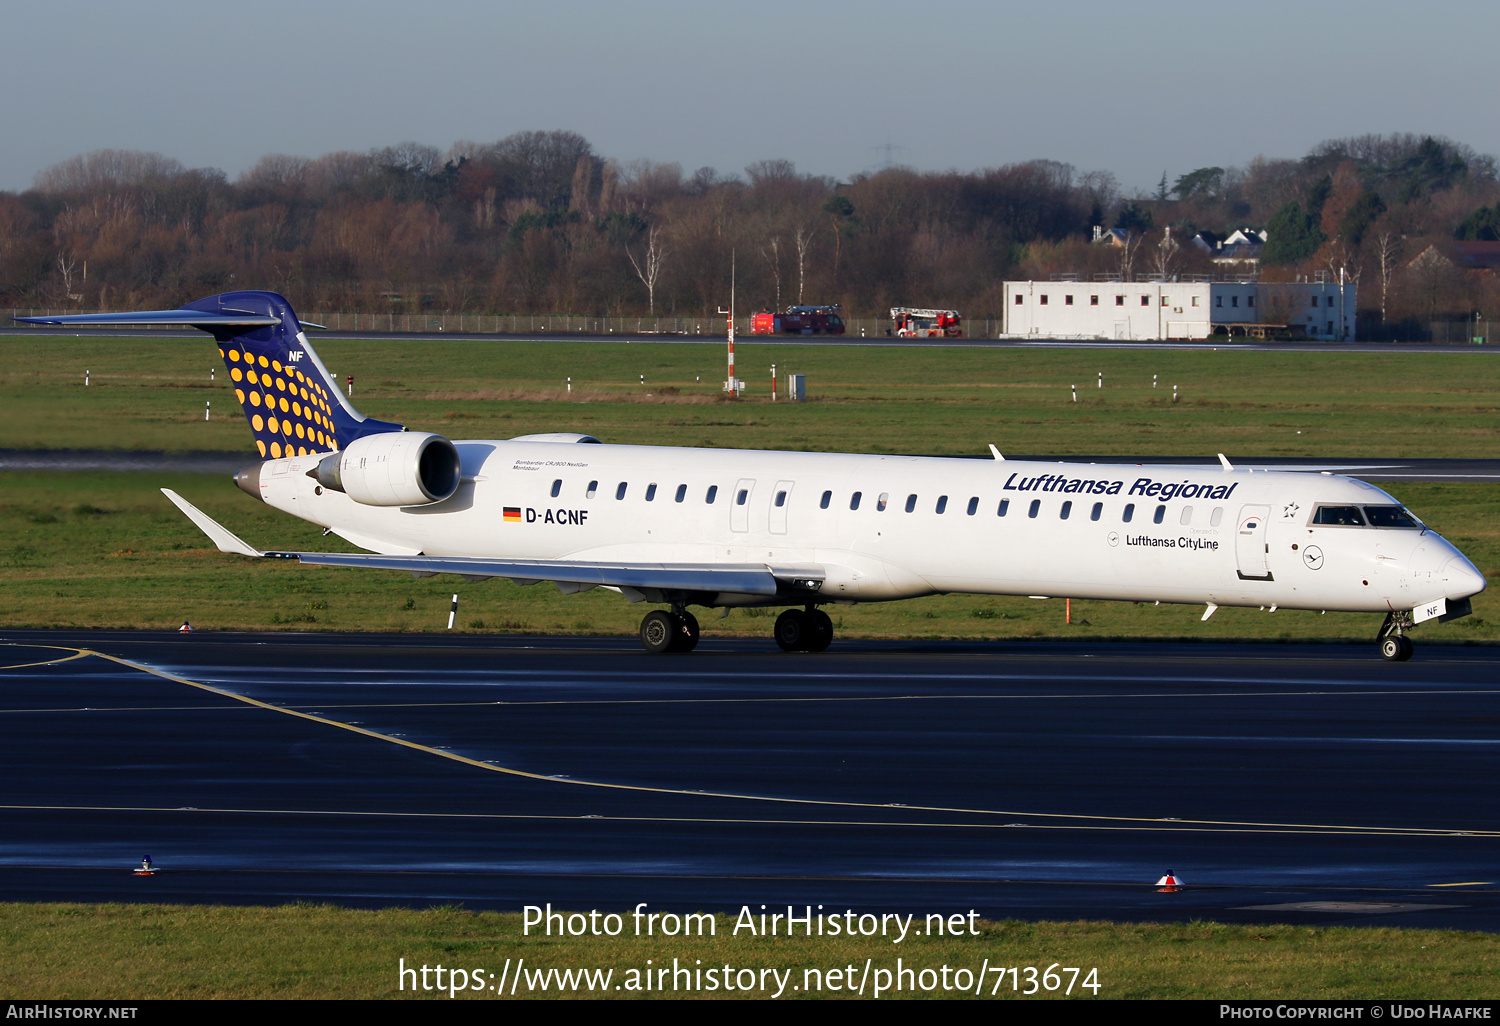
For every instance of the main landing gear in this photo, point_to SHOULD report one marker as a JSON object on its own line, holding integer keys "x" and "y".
{"x": 808, "y": 630}
{"x": 1395, "y": 646}
{"x": 797, "y": 630}
{"x": 675, "y": 631}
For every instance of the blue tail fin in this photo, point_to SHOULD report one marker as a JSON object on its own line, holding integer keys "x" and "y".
{"x": 291, "y": 401}
{"x": 293, "y": 404}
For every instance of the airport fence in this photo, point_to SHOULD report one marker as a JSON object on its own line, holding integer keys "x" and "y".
{"x": 1450, "y": 332}
{"x": 546, "y": 324}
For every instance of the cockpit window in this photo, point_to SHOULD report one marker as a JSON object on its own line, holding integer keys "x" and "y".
{"x": 1391, "y": 516}
{"x": 1338, "y": 516}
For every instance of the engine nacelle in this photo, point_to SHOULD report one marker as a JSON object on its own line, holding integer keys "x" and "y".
{"x": 394, "y": 468}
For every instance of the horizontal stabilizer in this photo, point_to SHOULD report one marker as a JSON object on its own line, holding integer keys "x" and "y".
{"x": 192, "y": 318}
{"x": 205, "y": 320}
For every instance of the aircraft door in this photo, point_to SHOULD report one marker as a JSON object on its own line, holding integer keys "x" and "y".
{"x": 781, "y": 498}
{"x": 739, "y": 505}
{"x": 1252, "y": 551}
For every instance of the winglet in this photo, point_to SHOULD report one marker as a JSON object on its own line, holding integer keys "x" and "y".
{"x": 996, "y": 453}
{"x": 219, "y": 535}
{"x": 1224, "y": 460}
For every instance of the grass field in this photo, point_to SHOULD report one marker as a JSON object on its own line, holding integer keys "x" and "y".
{"x": 105, "y": 549}
{"x": 158, "y": 951}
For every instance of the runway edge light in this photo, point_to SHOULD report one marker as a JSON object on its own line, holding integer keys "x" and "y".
{"x": 145, "y": 868}
{"x": 1168, "y": 883}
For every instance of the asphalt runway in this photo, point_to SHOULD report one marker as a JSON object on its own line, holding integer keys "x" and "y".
{"x": 1291, "y": 783}
{"x": 1254, "y": 345}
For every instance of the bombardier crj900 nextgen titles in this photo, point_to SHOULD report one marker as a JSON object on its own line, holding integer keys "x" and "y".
{"x": 723, "y": 528}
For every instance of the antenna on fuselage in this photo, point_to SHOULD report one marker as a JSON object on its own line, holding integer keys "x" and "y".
{"x": 996, "y": 453}
{"x": 1224, "y": 461}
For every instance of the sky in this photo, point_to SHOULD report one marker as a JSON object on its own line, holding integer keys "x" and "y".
{"x": 1135, "y": 88}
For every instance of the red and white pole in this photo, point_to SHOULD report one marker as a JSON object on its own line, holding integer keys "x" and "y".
{"x": 773, "y": 382}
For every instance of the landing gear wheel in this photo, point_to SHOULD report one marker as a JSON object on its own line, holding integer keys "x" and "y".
{"x": 688, "y": 632}
{"x": 1396, "y": 648}
{"x": 659, "y": 632}
{"x": 793, "y": 631}
{"x": 820, "y": 632}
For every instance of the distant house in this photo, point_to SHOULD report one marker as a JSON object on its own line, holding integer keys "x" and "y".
{"x": 1111, "y": 236}
{"x": 1466, "y": 256}
{"x": 1242, "y": 247}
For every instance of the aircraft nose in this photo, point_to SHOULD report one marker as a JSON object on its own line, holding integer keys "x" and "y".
{"x": 1461, "y": 578}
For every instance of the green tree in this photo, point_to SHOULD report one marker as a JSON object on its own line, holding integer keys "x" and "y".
{"x": 1204, "y": 181}
{"x": 1134, "y": 218}
{"x": 1358, "y": 218}
{"x": 1483, "y": 225}
{"x": 1292, "y": 236}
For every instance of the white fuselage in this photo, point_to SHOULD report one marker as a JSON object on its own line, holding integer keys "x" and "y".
{"x": 1225, "y": 537}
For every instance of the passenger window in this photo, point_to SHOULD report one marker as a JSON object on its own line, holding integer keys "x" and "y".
{"x": 744, "y": 493}
{"x": 973, "y": 505}
{"x": 942, "y": 503}
{"x": 556, "y": 487}
{"x": 1187, "y": 516}
{"x": 593, "y": 487}
{"x": 620, "y": 491}
{"x": 1161, "y": 514}
{"x": 681, "y": 492}
{"x": 1339, "y": 516}
{"x": 781, "y": 498}
{"x": 1129, "y": 513}
{"x": 1004, "y": 508}
{"x": 1216, "y": 516}
{"x": 713, "y": 493}
{"x": 1066, "y": 511}
{"x": 827, "y": 498}
{"x": 1097, "y": 512}
{"x": 651, "y": 492}
{"x": 1036, "y": 507}
{"x": 854, "y": 500}
{"x": 911, "y": 503}
{"x": 880, "y": 503}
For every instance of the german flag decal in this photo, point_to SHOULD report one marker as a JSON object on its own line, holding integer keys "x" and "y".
{"x": 513, "y": 513}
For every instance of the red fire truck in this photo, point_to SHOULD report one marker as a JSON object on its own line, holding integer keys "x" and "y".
{"x": 911, "y": 323}
{"x": 798, "y": 320}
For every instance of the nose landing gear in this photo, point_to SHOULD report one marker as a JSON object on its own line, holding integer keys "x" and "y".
{"x": 1395, "y": 646}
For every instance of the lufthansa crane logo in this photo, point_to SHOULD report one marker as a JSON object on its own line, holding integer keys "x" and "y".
{"x": 1313, "y": 557}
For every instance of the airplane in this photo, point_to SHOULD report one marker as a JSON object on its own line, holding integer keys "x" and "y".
{"x": 725, "y": 528}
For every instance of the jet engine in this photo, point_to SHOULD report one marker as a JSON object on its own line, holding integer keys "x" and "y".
{"x": 393, "y": 468}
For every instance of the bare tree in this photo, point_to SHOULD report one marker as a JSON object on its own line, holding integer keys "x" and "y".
{"x": 1166, "y": 254}
{"x": 1387, "y": 252}
{"x": 772, "y": 252}
{"x": 1129, "y": 248}
{"x": 804, "y": 241}
{"x": 648, "y": 268}
{"x": 67, "y": 264}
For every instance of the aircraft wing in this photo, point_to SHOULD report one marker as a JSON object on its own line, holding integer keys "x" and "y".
{"x": 652, "y": 581}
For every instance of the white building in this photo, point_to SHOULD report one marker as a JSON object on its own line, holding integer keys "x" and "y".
{"x": 1177, "y": 309}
